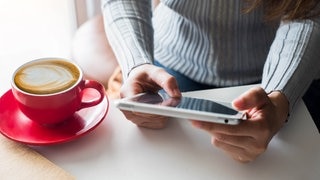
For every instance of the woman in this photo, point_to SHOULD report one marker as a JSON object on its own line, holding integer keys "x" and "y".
{"x": 191, "y": 45}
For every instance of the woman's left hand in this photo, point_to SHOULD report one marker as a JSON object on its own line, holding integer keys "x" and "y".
{"x": 244, "y": 142}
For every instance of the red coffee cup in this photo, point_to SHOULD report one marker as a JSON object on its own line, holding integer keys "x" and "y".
{"x": 50, "y": 90}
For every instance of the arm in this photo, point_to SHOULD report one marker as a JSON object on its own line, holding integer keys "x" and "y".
{"x": 291, "y": 66}
{"x": 129, "y": 30}
{"x": 293, "y": 59}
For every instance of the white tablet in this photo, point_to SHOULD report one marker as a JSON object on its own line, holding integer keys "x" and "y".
{"x": 183, "y": 108}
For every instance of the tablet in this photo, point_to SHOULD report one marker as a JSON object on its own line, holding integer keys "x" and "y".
{"x": 182, "y": 108}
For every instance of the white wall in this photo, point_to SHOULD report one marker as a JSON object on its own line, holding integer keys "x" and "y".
{"x": 31, "y": 29}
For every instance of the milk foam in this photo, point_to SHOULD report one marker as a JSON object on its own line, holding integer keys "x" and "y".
{"x": 46, "y": 78}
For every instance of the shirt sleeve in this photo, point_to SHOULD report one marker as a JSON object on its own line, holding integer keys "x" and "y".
{"x": 294, "y": 59}
{"x": 128, "y": 26}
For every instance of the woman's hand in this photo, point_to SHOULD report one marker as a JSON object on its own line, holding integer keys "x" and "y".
{"x": 246, "y": 141}
{"x": 148, "y": 78}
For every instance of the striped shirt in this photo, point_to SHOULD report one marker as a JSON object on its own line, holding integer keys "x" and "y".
{"x": 213, "y": 42}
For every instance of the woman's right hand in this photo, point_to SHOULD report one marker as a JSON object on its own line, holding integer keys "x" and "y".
{"x": 148, "y": 78}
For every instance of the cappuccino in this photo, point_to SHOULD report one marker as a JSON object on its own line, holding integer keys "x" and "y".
{"x": 46, "y": 77}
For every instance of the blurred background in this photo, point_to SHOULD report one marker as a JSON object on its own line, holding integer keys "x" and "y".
{"x": 38, "y": 28}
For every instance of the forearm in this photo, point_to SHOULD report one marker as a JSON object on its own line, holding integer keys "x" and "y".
{"x": 293, "y": 60}
{"x": 129, "y": 30}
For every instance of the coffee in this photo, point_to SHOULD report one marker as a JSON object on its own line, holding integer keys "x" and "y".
{"x": 46, "y": 77}
{"x": 50, "y": 90}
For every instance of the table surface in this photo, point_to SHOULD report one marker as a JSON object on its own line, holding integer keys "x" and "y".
{"x": 29, "y": 30}
{"x": 118, "y": 149}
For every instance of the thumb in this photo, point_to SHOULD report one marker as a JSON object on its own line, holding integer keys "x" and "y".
{"x": 166, "y": 81}
{"x": 254, "y": 97}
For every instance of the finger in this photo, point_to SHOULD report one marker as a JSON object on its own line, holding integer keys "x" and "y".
{"x": 237, "y": 153}
{"x": 139, "y": 81}
{"x": 143, "y": 116}
{"x": 254, "y": 97}
{"x": 130, "y": 89}
{"x": 166, "y": 81}
{"x": 244, "y": 142}
{"x": 146, "y": 120}
{"x": 154, "y": 125}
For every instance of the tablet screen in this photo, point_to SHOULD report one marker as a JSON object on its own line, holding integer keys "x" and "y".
{"x": 190, "y": 103}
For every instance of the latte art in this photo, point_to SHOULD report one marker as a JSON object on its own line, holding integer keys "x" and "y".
{"x": 46, "y": 77}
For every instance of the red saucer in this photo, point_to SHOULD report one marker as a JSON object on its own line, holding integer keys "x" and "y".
{"x": 16, "y": 126}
